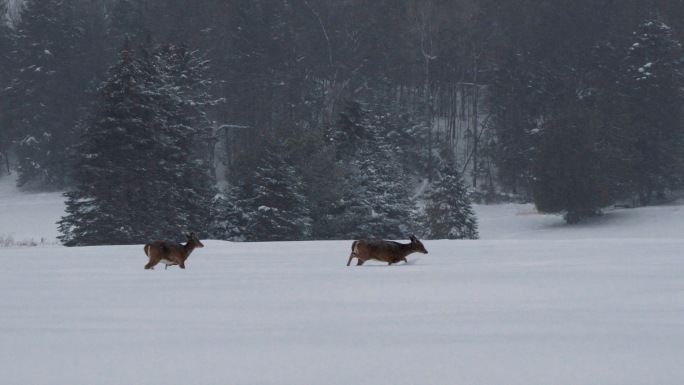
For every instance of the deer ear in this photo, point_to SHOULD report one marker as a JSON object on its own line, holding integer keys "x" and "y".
{"x": 413, "y": 238}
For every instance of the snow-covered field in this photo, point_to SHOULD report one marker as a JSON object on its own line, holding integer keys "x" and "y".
{"x": 532, "y": 302}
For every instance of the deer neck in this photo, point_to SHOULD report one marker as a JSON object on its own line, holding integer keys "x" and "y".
{"x": 406, "y": 249}
{"x": 188, "y": 248}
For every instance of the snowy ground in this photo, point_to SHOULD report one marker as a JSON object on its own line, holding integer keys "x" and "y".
{"x": 532, "y": 302}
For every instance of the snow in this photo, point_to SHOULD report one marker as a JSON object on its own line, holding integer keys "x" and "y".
{"x": 29, "y": 215}
{"x": 532, "y": 302}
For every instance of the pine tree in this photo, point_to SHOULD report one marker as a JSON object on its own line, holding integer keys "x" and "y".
{"x": 56, "y": 59}
{"x": 280, "y": 208}
{"x": 515, "y": 98}
{"x": 312, "y": 155}
{"x": 377, "y": 202}
{"x": 653, "y": 84}
{"x": 273, "y": 202}
{"x": 448, "y": 212}
{"x": 572, "y": 167}
{"x": 361, "y": 213}
{"x": 230, "y": 221}
{"x": 5, "y": 45}
{"x": 6, "y": 41}
{"x": 351, "y": 130}
{"x": 138, "y": 174}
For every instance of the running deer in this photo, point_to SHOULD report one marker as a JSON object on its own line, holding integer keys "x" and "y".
{"x": 171, "y": 253}
{"x": 385, "y": 251}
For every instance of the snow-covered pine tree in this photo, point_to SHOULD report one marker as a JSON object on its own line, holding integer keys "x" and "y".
{"x": 403, "y": 136}
{"x": 378, "y": 202}
{"x": 387, "y": 192}
{"x": 230, "y": 221}
{"x": 448, "y": 212}
{"x": 350, "y": 130}
{"x": 274, "y": 205}
{"x": 55, "y": 61}
{"x": 5, "y": 44}
{"x": 137, "y": 171}
{"x": 114, "y": 163}
{"x": 184, "y": 99}
{"x": 312, "y": 155}
{"x": 653, "y": 84}
{"x": 6, "y": 136}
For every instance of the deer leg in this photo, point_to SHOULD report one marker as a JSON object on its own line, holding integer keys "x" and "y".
{"x": 150, "y": 266}
{"x": 350, "y": 258}
{"x": 359, "y": 261}
{"x": 181, "y": 265}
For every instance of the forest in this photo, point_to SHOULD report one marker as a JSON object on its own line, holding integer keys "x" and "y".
{"x": 260, "y": 120}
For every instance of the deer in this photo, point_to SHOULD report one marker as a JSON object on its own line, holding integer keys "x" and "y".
{"x": 170, "y": 253}
{"x": 384, "y": 251}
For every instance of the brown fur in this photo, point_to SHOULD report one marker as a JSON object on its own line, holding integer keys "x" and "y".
{"x": 384, "y": 251}
{"x": 170, "y": 253}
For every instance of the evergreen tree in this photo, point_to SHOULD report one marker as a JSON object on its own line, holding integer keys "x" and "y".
{"x": 404, "y": 137}
{"x": 273, "y": 202}
{"x": 653, "y": 84}
{"x": 572, "y": 167}
{"x": 313, "y": 157}
{"x": 6, "y": 42}
{"x": 297, "y": 149}
{"x": 268, "y": 202}
{"x": 377, "y": 202}
{"x": 516, "y": 104}
{"x": 138, "y": 174}
{"x": 56, "y": 59}
{"x": 230, "y": 221}
{"x": 350, "y": 130}
{"x": 266, "y": 68}
{"x": 448, "y": 212}
{"x": 279, "y": 210}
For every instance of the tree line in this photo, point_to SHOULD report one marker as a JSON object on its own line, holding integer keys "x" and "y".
{"x": 327, "y": 119}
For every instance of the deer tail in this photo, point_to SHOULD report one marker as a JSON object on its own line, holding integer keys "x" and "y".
{"x": 147, "y": 249}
